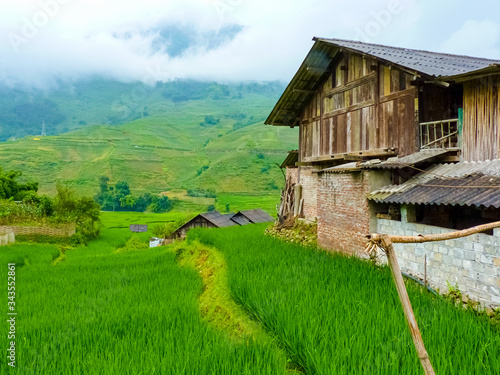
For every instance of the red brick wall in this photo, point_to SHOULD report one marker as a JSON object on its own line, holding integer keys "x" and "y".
{"x": 309, "y": 182}
{"x": 343, "y": 212}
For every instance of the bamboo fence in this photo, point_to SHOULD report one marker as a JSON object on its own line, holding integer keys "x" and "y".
{"x": 66, "y": 230}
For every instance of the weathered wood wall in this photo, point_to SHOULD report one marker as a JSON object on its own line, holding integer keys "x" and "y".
{"x": 361, "y": 106}
{"x": 198, "y": 222}
{"x": 481, "y": 135}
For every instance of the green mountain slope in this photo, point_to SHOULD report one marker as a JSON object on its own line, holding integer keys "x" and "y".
{"x": 71, "y": 106}
{"x": 204, "y": 142}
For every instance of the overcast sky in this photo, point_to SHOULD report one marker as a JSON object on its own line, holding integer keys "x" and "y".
{"x": 225, "y": 40}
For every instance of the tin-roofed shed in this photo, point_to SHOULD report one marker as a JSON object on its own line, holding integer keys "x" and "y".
{"x": 213, "y": 219}
{"x": 252, "y": 217}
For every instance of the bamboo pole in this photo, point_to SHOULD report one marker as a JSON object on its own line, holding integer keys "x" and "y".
{"x": 385, "y": 241}
{"x": 375, "y": 237}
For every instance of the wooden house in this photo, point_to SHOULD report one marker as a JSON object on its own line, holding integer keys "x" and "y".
{"x": 395, "y": 140}
{"x": 212, "y": 219}
{"x": 215, "y": 219}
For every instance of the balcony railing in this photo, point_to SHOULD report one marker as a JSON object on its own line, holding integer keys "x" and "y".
{"x": 439, "y": 134}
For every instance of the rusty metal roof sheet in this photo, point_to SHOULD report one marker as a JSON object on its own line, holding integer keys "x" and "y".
{"x": 467, "y": 183}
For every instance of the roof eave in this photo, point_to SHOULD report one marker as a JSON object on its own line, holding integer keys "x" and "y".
{"x": 294, "y": 84}
{"x": 476, "y": 74}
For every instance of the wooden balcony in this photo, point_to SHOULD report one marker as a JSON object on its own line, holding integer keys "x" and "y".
{"x": 442, "y": 134}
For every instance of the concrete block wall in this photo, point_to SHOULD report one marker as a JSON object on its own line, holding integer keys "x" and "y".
{"x": 343, "y": 212}
{"x": 472, "y": 263}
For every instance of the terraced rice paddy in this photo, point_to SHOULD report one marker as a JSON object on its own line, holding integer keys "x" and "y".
{"x": 127, "y": 312}
{"x": 289, "y": 309}
{"x": 340, "y": 315}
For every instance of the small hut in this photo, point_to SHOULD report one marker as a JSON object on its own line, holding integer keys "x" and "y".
{"x": 252, "y": 217}
{"x": 212, "y": 219}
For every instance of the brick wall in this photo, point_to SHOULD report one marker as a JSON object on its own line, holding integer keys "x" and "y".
{"x": 309, "y": 182}
{"x": 472, "y": 263}
{"x": 343, "y": 211}
{"x": 292, "y": 173}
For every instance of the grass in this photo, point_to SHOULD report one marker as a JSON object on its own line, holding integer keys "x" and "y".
{"x": 229, "y": 301}
{"x": 335, "y": 314}
{"x": 216, "y": 304}
{"x": 105, "y": 312}
{"x": 124, "y": 219}
{"x": 240, "y": 202}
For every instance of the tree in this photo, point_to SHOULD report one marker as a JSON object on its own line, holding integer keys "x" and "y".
{"x": 143, "y": 202}
{"x": 161, "y": 204}
{"x": 10, "y": 188}
{"x": 128, "y": 201}
{"x": 122, "y": 188}
{"x": 103, "y": 184}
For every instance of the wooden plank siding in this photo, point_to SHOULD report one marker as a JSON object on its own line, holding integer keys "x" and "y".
{"x": 481, "y": 133}
{"x": 362, "y": 105}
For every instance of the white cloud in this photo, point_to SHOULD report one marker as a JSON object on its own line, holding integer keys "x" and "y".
{"x": 476, "y": 38}
{"x": 116, "y": 38}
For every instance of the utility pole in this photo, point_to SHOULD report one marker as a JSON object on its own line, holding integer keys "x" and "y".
{"x": 43, "y": 129}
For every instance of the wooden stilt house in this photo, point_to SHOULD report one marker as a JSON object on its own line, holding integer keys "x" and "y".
{"x": 399, "y": 141}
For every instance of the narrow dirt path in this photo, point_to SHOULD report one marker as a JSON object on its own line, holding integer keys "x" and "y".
{"x": 216, "y": 304}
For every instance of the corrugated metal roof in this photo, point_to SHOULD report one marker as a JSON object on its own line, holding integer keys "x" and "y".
{"x": 219, "y": 220}
{"x": 240, "y": 220}
{"x": 291, "y": 159}
{"x": 354, "y": 166}
{"x": 403, "y": 162}
{"x": 431, "y": 63}
{"x": 473, "y": 190}
{"x": 256, "y": 216}
{"x": 467, "y": 183}
{"x": 324, "y": 52}
{"x": 391, "y": 163}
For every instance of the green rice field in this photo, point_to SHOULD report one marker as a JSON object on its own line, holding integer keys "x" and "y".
{"x": 116, "y": 308}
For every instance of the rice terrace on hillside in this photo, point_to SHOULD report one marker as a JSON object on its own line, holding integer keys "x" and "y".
{"x": 228, "y": 187}
{"x": 117, "y": 307}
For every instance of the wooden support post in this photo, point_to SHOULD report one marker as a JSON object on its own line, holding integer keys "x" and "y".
{"x": 299, "y": 161}
{"x": 405, "y": 302}
{"x": 297, "y": 199}
{"x": 425, "y": 270}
